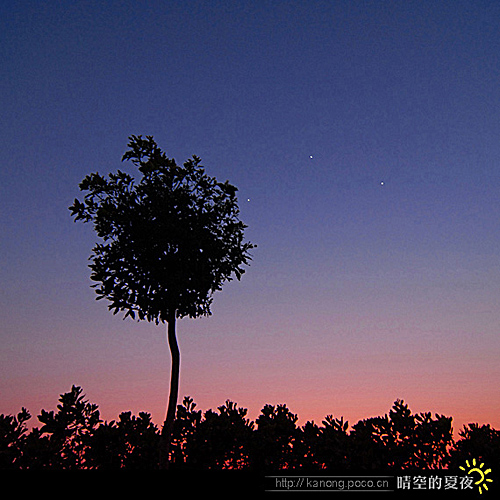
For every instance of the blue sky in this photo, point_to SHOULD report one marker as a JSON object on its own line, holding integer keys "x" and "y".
{"x": 359, "y": 292}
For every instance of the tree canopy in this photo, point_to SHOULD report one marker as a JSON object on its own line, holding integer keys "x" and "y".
{"x": 169, "y": 241}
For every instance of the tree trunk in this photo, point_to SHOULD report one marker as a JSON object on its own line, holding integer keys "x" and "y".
{"x": 166, "y": 433}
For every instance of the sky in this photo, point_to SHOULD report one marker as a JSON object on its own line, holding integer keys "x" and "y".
{"x": 363, "y": 137}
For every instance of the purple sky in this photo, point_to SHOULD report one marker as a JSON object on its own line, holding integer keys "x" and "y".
{"x": 364, "y": 140}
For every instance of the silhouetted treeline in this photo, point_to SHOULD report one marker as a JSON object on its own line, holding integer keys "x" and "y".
{"x": 74, "y": 437}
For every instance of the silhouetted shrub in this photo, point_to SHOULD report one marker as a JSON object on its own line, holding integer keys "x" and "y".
{"x": 275, "y": 439}
{"x": 66, "y": 435}
{"x": 185, "y": 428}
{"x": 402, "y": 440}
{"x": 480, "y": 442}
{"x": 12, "y": 438}
{"x": 333, "y": 444}
{"x": 131, "y": 442}
{"x": 75, "y": 437}
{"x": 221, "y": 440}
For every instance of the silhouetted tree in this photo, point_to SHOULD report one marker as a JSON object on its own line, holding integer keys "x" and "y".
{"x": 222, "y": 440}
{"x": 274, "y": 438}
{"x": 432, "y": 439}
{"x": 369, "y": 444}
{"x": 168, "y": 243}
{"x": 39, "y": 452}
{"x": 332, "y": 447}
{"x": 480, "y": 442}
{"x": 305, "y": 447}
{"x": 131, "y": 443}
{"x": 185, "y": 427}
{"x": 402, "y": 440}
{"x": 69, "y": 430}
{"x": 12, "y": 437}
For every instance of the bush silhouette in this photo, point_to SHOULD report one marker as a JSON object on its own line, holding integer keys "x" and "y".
{"x": 401, "y": 440}
{"x": 74, "y": 437}
{"x": 332, "y": 444}
{"x": 12, "y": 438}
{"x": 222, "y": 439}
{"x": 131, "y": 442}
{"x": 276, "y": 434}
{"x": 480, "y": 442}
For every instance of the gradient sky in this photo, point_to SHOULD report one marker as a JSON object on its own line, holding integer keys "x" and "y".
{"x": 364, "y": 139}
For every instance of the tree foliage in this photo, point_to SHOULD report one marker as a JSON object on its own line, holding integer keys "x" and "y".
{"x": 404, "y": 440}
{"x": 12, "y": 438}
{"x": 169, "y": 241}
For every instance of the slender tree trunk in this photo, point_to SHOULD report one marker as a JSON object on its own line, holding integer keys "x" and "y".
{"x": 166, "y": 433}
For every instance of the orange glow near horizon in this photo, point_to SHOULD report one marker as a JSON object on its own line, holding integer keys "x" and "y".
{"x": 354, "y": 378}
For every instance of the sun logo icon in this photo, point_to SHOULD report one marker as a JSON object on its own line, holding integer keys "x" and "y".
{"x": 481, "y": 482}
